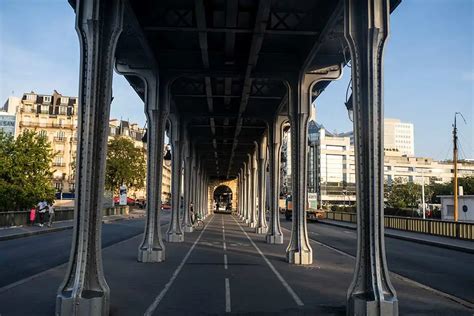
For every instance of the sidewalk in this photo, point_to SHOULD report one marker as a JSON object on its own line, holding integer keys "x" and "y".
{"x": 438, "y": 241}
{"x": 25, "y": 231}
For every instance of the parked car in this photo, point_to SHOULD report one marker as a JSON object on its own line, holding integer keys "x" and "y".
{"x": 165, "y": 206}
{"x": 130, "y": 201}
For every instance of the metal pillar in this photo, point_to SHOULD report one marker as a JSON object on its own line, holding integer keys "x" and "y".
{"x": 275, "y": 133}
{"x": 84, "y": 290}
{"x": 244, "y": 192}
{"x": 366, "y": 30}
{"x": 299, "y": 250}
{"x": 262, "y": 226}
{"x": 187, "y": 222}
{"x": 198, "y": 190}
{"x": 151, "y": 248}
{"x": 300, "y": 99}
{"x": 174, "y": 233}
{"x": 249, "y": 190}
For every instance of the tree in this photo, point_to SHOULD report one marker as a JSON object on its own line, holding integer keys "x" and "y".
{"x": 126, "y": 164}
{"x": 25, "y": 175}
{"x": 403, "y": 195}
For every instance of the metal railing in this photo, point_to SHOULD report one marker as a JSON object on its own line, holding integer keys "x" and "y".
{"x": 459, "y": 230}
{"x": 19, "y": 218}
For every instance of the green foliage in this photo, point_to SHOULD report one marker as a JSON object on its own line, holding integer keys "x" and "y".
{"x": 25, "y": 176}
{"x": 126, "y": 164}
{"x": 402, "y": 195}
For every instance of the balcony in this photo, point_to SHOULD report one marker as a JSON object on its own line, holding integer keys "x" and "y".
{"x": 59, "y": 164}
{"x": 60, "y": 139}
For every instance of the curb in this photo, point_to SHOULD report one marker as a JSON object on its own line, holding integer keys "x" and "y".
{"x": 417, "y": 240}
{"x": 51, "y": 230}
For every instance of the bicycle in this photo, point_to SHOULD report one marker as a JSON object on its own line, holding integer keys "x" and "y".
{"x": 198, "y": 223}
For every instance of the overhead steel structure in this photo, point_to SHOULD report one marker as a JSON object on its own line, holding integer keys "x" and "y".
{"x": 226, "y": 76}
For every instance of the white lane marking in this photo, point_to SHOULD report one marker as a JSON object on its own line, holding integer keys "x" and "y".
{"x": 295, "y": 297}
{"x": 401, "y": 277}
{"x": 163, "y": 292}
{"x": 227, "y": 296}
{"x": 224, "y": 246}
{"x": 225, "y": 262}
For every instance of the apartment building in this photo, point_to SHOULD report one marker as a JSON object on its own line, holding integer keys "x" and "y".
{"x": 55, "y": 116}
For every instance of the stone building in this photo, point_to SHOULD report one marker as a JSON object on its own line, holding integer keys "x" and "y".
{"x": 55, "y": 116}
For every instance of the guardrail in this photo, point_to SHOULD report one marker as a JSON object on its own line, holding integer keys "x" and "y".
{"x": 459, "y": 230}
{"x": 8, "y": 219}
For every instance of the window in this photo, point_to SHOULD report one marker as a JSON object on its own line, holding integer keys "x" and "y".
{"x": 43, "y": 133}
{"x": 62, "y": 110}
{"x": 31, "y": 97}
{"x": 47, "y": 99}
{"x": 44, "y": 109}
{"x": 64, "y": 100}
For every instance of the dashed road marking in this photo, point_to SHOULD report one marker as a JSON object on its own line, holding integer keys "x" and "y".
{"x": 228, "y": 308}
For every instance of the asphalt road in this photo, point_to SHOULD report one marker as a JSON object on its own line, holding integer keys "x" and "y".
{"x": 23, "y": 257}
{"x": 446, "y": 270}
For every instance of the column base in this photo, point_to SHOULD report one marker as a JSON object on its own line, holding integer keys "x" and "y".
{"x": 88, "y": 303}
{"x": 246, "y": 220}
{"x": 359, "y": 305}
{"x": 152, "y": 255}
{"x": 299, "y": 257}
{"x": 274, "y": 239}
{"x": 174, "y": 237}
{"x": 188, "y": 229}
{"x": 252, "y": 225}
{"x": 261, "y": 230}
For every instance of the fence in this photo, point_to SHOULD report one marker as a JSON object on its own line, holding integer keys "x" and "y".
{"x": 460, "y": 230}
{"x": 8, "y": 219}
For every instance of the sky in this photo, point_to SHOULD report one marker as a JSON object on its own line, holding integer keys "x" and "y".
{"x": 428, "y": 68}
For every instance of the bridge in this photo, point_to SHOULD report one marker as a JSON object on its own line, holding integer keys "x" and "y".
{"x": 223, "y": 79}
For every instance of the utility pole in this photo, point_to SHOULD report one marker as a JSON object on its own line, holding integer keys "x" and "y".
{"x": 455, "y": 161}
{"x": 423, "y": 205}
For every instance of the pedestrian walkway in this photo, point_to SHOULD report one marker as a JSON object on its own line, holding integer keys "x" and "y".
{"x": 30, "y": 230}
{"x": 444, "y": 242}
{"x": 223, "y": 268}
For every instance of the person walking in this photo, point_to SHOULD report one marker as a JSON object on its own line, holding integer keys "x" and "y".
{"x": 51, "y": 215}
{"x": 42, "y": 207}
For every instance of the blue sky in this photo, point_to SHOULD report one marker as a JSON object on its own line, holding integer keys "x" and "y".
{"x": 429, "y": 68}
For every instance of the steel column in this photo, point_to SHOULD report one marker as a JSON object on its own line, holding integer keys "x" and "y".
{"x": 152, "y": 248}
{"x": 174, "y": 233}
{"x": 275, "y": 132}
{"x": 262, "y": 226}
{"x": 300, "y": 99}
{"x": 187, "y": 222}
{"x": 84, "y": 290}
{"x": 366, "y": 30}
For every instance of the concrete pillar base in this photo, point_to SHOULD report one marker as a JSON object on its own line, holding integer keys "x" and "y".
{"x": 89, "y": 303}
{"x": 155, "y": 255}
{"x": 358, "y": 305}
{"x": 174, "y": 237}
{"x": 299, "y": 257}
{"x": 252, "y": 225}
{"x": 246, "y": 221}
{"x": 188, "y": 229}
{"x": 274, "y": 239}
{"x": 261, "y": 230}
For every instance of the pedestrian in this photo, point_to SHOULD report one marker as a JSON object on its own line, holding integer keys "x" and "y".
{"x": 32, "y": 216}
{"x": 42, "y": 207}
{"x": 51, "y": 215}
